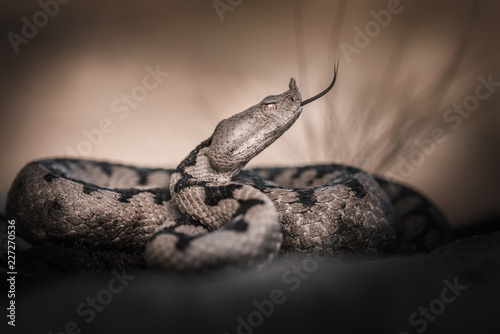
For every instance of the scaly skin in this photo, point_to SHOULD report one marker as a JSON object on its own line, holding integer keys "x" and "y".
{"x": 210, "y": 213}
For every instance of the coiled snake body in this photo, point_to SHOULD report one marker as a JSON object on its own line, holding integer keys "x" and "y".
{"x": 209, "y": 212}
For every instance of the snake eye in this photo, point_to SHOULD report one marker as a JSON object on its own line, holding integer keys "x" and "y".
{"x": 269, "y": 108}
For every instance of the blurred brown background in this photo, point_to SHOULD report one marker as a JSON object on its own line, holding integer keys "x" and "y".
{"x": 393, "y": 89}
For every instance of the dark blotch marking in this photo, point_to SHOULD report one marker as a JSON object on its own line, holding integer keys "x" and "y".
{"x": 252, "y": 177}
{"x": 143, "y": 175}
{"x": 351, "y": 183}
{"x": 187, "y": 221}
{"x": 191, "y": 158}
{"x": 183, "y": 182}
{"x": 241, "y": 225}
{"x": 88, "y": 189}
{"x": 56, "y": 206}
{"x": 183, "y": 240}
{"x": 273, "y": 173}
{"x": 67, "y": 162}
{"x": 106, "y": 167}
{"x": 213, "y": 195}
{"x": 246, "y": 204}
{"x": 307, "y": 197}
{"x": 319, "y": 169}
{"x": 161, "y": 195}
{"x": 127, "y": 194}
{"x": 187, "y": 180}
{"x": 297, "y": 173}
{"x": 49, "y": 177}
{"x": 322, "y": 170}
{"x": 238, "y": 226}
{"x": 354, "y": 184}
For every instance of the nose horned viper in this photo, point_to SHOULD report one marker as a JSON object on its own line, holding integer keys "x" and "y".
{"x": 210, "y": 212}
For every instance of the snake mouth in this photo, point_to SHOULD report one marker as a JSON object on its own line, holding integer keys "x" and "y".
{"x": 309, "y": 100}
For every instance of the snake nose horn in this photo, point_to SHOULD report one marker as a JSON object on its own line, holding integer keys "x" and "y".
{"x": 292, "y": 85}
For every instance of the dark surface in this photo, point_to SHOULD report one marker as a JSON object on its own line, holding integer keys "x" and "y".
{"x": 317, "y": 296}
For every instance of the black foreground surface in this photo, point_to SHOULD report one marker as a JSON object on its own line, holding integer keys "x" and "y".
{"x": 454, "y": 289}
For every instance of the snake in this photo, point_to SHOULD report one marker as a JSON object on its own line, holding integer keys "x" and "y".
{"x": 211, "y": 212}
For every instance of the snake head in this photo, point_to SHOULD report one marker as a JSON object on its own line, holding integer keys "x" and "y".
{"x": 236, "y": 140}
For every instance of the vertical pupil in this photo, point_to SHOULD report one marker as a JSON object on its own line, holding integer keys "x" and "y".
{"x": 269, "y": 108}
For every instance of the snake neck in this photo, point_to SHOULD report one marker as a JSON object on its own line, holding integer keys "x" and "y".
{"x": 204, "y": 194}
{"x": 197, "y": 167}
